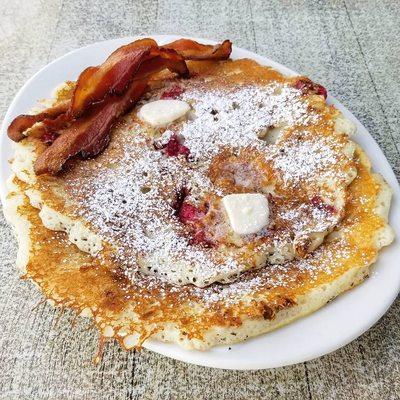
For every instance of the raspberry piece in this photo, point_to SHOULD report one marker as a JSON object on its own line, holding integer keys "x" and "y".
{"x": 172, "y": 93}
{"x": 174, "y": 148}
{"x": 191, "y": 216}
{"x": 189, "y": 213}
{"x": 319, "y": 203}
{"x": 200, "y": 239}
{"x": 321, "y": 91}
{"x": 309, "y": 87}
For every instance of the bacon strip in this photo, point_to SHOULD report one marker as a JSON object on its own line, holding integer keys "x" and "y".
{"x": 191, "y": 50}
{"x": 23, "y": 122}
{"x": 115, "y": 73}
{"x": 113, "y": 76}
{"x": 94, "y": 83}
{"x": 89, "y": 134}
{"x": 165, "y": 59}
{"x": 104, "y": 93}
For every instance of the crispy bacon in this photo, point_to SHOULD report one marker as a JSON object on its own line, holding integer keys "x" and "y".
{"x": 115, "y": 73}
{"x": 165, "y": 59}
{"x": 24, "y": 122}
{"x": 82, "y": 124}
{"x": 49, "y": 137}
{"x": 191, "y": 50}
{"x": 89, "y": 134}
{"x": 94, "y": 83}
{"x": 113, "y": 76}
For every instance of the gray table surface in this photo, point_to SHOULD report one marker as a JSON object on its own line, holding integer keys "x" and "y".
{"x": 352, "y": 47}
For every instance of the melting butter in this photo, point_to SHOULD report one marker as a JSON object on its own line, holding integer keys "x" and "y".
{"x": 247, "y": 212}
{"x": 160, "y": 113}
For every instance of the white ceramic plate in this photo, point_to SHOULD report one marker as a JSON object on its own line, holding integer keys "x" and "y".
{"x": 328, "y": 329}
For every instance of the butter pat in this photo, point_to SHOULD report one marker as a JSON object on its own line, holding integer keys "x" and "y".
{"x": 247, "y": 212}
{"x": 160, "y": 113}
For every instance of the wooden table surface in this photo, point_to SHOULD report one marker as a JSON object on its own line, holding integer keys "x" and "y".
{"x": 351, "y": 47}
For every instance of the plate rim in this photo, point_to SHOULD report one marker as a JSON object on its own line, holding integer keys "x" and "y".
{"x": 202, "y": 358}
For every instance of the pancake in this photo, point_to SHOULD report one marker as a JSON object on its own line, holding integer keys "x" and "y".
{"x": 132, "y": 310}
{"x": 250, "y": 130}
{"x": 127, "y": 221}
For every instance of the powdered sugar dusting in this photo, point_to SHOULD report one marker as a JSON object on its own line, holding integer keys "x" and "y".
{"x": 128, "y": 193}
{"x": 309, "y": 160}
{"x": 128, "y": 206}
{"x": 234, "y": 118}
